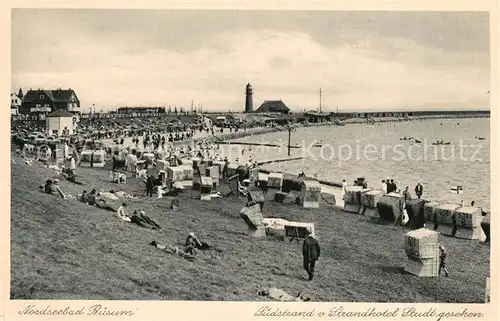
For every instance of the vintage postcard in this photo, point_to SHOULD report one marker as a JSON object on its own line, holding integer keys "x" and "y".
{"x": 286, "y": 160}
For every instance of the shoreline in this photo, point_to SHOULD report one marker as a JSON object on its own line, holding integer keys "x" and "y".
{"x": 266, "y": 130}
{"x": 329, "y": 187}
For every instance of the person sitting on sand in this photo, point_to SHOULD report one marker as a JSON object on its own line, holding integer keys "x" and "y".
{"x": 121, "y": 212}
{"x": 193, "y": 241}
{"x": 47, "y": 187}
{"x": 55, "y": 189}
{"x": 83, "y": 197}
{"x": 92, "y": 197}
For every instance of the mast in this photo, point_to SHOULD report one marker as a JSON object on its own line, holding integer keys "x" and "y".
{"x": 320, "y": 100}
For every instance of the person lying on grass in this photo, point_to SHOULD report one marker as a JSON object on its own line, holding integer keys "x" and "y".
{"x": 142, "y": 220}
{"x": 107, "y": 195}
{"x": 173, "y": 250}
{"x": 70, "y": 177}
{"x": 93, "y": 200}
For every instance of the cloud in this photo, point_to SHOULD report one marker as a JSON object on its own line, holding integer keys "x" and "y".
{"x": 363, "y": 70}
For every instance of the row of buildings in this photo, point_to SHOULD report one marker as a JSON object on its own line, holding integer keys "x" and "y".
{"x": 40, "y": 102}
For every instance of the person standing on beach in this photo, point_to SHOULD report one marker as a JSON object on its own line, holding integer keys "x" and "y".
{"x": 442, "y": 261}
{"x": 344, "y": 185}
{"x": 389, "y": 186}
{"x": 149, "y": 185}
{"x": 388, "y": 183}
{"x": 419, "y": 190}
{"x": 310, "y": 253}
{"x": 384, "y": 187}
{"x": 406, "y": 195}
{"x": 72, "y": 165}
{"x": 394, "y": 186}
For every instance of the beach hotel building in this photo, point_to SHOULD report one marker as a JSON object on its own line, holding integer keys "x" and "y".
{"x": 42, "y": 102}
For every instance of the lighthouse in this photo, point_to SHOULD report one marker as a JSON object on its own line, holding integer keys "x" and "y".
{"x": 248, "y": 100}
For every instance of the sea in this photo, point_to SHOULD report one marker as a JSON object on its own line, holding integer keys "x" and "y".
{"x": 380, "y": 151}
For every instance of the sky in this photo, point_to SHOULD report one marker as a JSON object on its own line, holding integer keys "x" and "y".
{"x": 361, "y": 60}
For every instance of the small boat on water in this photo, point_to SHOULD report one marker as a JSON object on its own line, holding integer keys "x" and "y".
{"x": 338, "y": 122}
{"x": 457, "y": 190}
{"x": 418, "y": 141}
{"x": 440, "y": 142}
{"x": 481, "y": 138}
{"x": 318, "y": 144}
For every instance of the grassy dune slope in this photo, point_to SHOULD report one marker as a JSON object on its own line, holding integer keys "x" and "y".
{"x": 67, "y": 250}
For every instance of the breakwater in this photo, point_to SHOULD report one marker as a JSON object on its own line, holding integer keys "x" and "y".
{"x": 321, "y": 181}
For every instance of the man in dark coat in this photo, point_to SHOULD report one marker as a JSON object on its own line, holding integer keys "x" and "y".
{"x": 406, "y": 195}
{"x": 310, "y": 252}
{"x": 150, "y": 182}
{"x": 394, "y": 186}
{"x": 419, "y": 190}
{"x": 389, "y": 186}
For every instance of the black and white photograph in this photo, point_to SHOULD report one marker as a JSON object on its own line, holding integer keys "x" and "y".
{"x": 249, "y": 155}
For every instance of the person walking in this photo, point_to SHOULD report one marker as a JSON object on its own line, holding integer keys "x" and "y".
{"x": 419, "y": 190}
{"x": 406, "y": 195}
{"x": 72, "y": 165}
{"x": 310, "y": 253}
{"x": 149, "y": 185}
{"x": 344, "y": 185}
{"x": 442, "y": 261}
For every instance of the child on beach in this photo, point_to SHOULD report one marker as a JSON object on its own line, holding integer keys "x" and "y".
{"x": 442, "y": 261}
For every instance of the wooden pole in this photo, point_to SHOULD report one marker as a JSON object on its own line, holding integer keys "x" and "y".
{"x": 289, "y": 138}
{"x": 320, "y": 100}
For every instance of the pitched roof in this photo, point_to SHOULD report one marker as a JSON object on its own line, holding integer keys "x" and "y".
{"x": 58, "y": 95}
{"x": 60, "y": 113}
{"x": 273, "y": 106}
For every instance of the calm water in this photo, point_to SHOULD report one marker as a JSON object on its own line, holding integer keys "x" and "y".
{"x": 376, "y": 152}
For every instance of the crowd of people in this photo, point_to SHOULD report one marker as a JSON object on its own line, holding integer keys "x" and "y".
{"x": 158, "y": 143}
